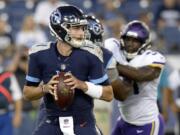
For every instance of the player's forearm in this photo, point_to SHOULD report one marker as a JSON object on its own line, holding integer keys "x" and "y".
{"x": 165, "y": 102}
{"x": 13, "y": 66}
{"x": 32, "y": 93}
{"x": 121, "y": 89}
{"x": 17, "y": 119}
{"x": 112, "y": 74}
{"x": 138, "y": 74}
{"x": 171, "y": 100}
{"x": 107, "y": 94}
{"x": 18, "y": 107}
{"x": 169, "y": 96}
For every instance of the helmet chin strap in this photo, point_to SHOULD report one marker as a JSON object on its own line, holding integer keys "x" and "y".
{"x": 130, "y": 56}
{"x": 53, "y": 33}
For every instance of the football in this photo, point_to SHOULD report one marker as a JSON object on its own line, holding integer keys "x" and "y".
{"x": 64, "y": 93}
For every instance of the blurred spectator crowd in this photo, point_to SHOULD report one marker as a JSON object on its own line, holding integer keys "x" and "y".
{"x": 24, "y": 23}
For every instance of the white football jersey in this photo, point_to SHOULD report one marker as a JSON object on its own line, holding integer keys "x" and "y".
{"x": 141, "y": 106}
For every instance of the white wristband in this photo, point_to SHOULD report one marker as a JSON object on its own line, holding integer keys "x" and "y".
{"x": 94, "y": 91}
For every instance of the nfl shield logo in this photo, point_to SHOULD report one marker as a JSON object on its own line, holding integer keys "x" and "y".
{"x": 63, "y": 67}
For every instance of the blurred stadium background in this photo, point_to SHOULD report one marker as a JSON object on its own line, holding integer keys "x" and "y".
{"x": 25, "y": 22}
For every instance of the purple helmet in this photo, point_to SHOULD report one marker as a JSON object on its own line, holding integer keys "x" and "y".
{"x": 139, "y": 31}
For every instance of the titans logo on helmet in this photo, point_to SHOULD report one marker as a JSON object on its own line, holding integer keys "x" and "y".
{"x": 55, "y": 17}
{"x": 97, "y": 29}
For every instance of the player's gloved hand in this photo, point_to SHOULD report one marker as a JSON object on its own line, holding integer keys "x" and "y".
{"x": 51, "y": 87}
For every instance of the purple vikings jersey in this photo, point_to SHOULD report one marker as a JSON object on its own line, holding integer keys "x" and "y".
{"x": 45, "y": 61}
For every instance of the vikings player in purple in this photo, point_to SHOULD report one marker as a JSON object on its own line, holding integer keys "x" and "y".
{"x": 85, "y": 70}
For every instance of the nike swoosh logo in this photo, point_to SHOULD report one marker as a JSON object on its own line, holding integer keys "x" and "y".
{"x": 139, "y": 131}
{"x": 83, "y": 124}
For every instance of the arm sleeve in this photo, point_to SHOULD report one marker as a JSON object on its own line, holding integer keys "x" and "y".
{"x": 15, "y": 88}
{"x": 33, "y": 76}
{"x": 97, "y": 74}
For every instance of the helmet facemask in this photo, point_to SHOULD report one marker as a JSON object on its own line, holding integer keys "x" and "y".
{"x": 71, "y": 38}
{"x": 141, "y": 49}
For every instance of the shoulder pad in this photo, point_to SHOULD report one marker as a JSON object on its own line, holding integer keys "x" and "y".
{"x": 38, "y": 47}
{"x": 154, "y": 54}
{"x": 93, "y": 49}
{"x": 155, "y": 58}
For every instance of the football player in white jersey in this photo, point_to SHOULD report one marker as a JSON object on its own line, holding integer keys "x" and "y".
{"x": 141, "y": 68}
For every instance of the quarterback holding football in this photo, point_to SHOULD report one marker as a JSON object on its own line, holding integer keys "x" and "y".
{"x": 68, "y": 97}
